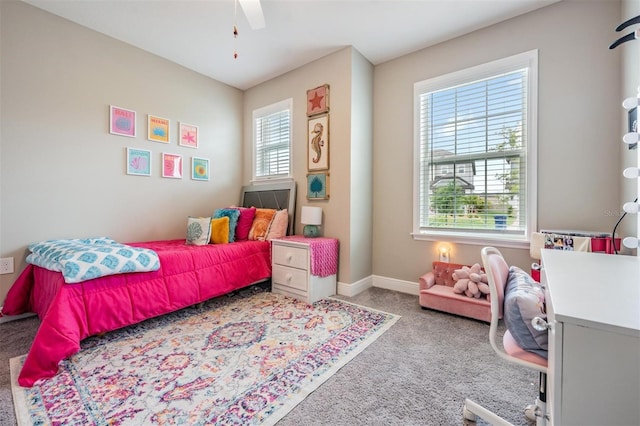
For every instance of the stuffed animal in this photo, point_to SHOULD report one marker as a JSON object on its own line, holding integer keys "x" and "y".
{"x": 482, "y": 282}
{"x": 471, "y": 281}
{"x": 461, "y": 276}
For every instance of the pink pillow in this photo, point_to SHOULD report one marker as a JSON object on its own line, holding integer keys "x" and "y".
{"x": 278, "y": 228}
{"x": 244, "y": 222}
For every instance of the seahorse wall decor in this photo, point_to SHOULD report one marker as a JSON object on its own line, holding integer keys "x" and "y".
{"x": 317, "y": 141}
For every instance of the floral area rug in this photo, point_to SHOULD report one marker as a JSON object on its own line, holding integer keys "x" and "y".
{"x": 246, "y": 359}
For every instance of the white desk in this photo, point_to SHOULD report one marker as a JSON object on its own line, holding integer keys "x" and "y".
{"x": 593, "y": 306}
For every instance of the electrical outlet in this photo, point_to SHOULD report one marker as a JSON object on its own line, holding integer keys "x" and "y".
{"x": 6, "y": 265}
{"x": 444, "y": 254}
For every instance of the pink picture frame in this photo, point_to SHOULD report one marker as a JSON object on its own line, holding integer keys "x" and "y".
{"x": 318, "y": 100}
{"x": 188, "y": 135}
{"x": 171, "y": 166}
{"x": 122, "y": 121}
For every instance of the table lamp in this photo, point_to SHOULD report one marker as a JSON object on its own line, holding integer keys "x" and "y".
{"x": 311, "y": 218}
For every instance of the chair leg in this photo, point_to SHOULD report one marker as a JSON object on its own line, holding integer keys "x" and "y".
{"x": 538, "y": 411}
{"x": 471, "y": 411}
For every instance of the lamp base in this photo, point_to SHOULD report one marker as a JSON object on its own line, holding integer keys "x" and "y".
{"x": 311, "y": 231}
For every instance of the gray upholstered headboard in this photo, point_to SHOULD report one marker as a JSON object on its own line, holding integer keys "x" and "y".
{"x": 272, "y": 196}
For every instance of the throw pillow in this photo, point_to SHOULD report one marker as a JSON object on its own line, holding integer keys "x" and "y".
{"x": 233, "y": 215}
{"x": 198, "y": 229}
{"x": 219, "y": 230}
{"x": 261, "y": 223}
{"x": 244, "y": 222}
{"x": 278, "y": 228}
{"x": 523, "y": 301}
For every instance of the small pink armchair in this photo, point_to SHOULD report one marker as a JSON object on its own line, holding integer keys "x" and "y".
{"x": 436, "y": 292}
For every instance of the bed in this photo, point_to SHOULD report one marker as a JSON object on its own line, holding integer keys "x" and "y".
{"x": 187, "y": 275}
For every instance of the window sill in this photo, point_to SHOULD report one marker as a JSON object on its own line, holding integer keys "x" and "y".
{"x": 474, "y": 239}
{"x": 258, "y": 181}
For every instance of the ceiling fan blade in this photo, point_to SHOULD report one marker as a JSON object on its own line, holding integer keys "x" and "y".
{"x": 253, "y": 11}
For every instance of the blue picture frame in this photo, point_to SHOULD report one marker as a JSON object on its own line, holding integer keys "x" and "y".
{"x": 318, "y": 186}
{"x": 199, "y": 168}
{"x": 138, "y": 162}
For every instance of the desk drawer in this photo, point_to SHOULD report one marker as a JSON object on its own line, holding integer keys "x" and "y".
{"x": 290, "y": 277}
{"x": 290, "y": 256}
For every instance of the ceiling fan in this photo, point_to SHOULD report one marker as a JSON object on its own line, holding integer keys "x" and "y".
{"x": 253, "y": 11}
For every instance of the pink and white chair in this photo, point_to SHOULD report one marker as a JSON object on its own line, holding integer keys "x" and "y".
{"x": 498, "y": 273}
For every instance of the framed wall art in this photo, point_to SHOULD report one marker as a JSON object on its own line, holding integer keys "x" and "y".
{"x": 138, "y": 162}
{"x": 318, "y": 100}
{"x": 188, "y": 135}
{"x": 318, "y": 143}
{"x": 318, "y": 186}
{"x": 199, "y": 168}
{"x": 122, "y": 121}
{"x": 171, "y": 166}
{"x": 158, "y": 129}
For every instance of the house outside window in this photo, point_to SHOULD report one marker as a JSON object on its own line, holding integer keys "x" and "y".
{"x": 475, "y": 153}
{"x": 272, "y": 141}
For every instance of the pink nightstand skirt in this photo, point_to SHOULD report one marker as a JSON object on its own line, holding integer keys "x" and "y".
{"x": 323, "y": 253}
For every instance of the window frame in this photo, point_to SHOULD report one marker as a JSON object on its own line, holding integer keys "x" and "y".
{"x": 259, "y": 113}
{"x": 527, "y": 60}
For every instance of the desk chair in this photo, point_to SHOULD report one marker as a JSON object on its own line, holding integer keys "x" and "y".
{"x": 497, "y": 273}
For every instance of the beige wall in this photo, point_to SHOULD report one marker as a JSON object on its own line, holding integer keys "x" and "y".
{"x": 578, "y": 127}
{"x": 338, "y": 70}
{"x": 62, "y": 175}
{"x": 361, "y": 164}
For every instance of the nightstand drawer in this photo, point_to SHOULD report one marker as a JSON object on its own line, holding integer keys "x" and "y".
{"x": 290, "y": 256}
{"x": 289, "y": 291}
{"x": 290, "y": 277}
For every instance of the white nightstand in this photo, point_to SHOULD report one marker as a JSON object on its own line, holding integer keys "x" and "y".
{"x": 304, "y": 268}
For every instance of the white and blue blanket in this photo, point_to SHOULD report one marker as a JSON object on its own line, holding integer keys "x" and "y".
{"x": 88, "y": 258}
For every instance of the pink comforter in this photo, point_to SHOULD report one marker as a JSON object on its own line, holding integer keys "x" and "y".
{"x": 71, "y": 312}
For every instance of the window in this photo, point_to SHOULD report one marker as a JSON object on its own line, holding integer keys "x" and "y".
{"x": 272, "y": 141}
{"x": 475, "y": 148}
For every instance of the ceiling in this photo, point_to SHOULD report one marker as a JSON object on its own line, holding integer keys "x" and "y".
{"x": 198, "y": 34}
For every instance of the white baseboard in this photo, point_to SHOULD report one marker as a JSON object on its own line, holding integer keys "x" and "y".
{"x": 353, "y": 289}
{"x": 402, "y": 286}
{"x": 358, "y": 287}
{"x": 7, "y": 318}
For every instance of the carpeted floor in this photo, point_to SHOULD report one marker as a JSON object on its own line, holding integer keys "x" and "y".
{"x": 417, "y": 373}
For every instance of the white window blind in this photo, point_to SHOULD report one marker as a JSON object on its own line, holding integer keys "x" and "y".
{"x": 473, "y": 152}
{"x": 272, "y": 140}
